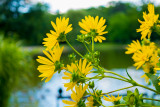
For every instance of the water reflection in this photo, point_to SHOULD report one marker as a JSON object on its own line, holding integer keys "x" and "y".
{"x": 110, "y": 58}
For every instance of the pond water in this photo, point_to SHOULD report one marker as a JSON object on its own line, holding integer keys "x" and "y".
{"x": 112, "y": 59}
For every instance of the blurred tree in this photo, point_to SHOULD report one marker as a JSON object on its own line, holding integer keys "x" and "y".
{"x": 36, "y": 23}
{"x": 74, "y": 18}
{"x": 22, "y": 20}
{"x": 118, "y": 25}
{"x": 9, "y": 13}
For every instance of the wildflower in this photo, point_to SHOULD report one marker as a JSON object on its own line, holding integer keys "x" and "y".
{"x": 133, "y": 47}
{"x": 76, "y": 73}
{"x": 93, "y": 27}
{"x": 145, "y": 77}
{"x": 50, "y": 41}
{"x": 149, "y": 20}
{"x": 76, "y": 96}
{"x": 113, "y": 99}
{"x": 61, "y": 28}
{"x": 154, "y": 59}
{"x": 49, "y": 65}
{"x": 148, "y": 68}
{"x": 151, "y": 64}
{"x": 142, "y": 56}
{"x": 90, "y": 101}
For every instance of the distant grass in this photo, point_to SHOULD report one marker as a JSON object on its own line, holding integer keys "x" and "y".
{"x": 98, "y": 46}
{"x": 108, "y": 46}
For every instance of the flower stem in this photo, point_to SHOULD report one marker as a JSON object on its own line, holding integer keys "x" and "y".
{"x": 118, "y": 90}
{"x": 105, "y": 76}
{"x": 151, "y": 99}
{"x": 74, "y": 48}
{"x": 132, "y": 82}
{"x": 147, "y": 88}
{"x": 116, "y": 74}
{"x": 115, "y": 78}
{"x": 119, "y": 105}
{"x": 86, "y": 47}
{"x": 92, "y": 44}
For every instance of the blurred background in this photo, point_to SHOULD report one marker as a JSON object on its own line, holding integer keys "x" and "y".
{"x": 24, "y": 24}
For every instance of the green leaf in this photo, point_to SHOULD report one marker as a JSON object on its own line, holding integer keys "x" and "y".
{"x": 125, "y": 98}
{"x": 154, "y": 80}
{"x": 129, "y": 92}
{"x": 136, "y": 93}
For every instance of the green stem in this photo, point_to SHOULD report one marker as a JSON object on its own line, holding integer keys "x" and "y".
{"x": 92, "y": 44}
{"x": 151, "y": 99}
{"x": 132, "y": 82}
{"x": 74, "y": 48}
{"x": 116, "y": 74}
{"x": 115, "y": 78}
{"x": 119, "y": 105}
{"x": 147, "y": 88}
{"x": 86, "y": 47}
{"x": 104, "y": 76}
{"x": 118, "y": 90}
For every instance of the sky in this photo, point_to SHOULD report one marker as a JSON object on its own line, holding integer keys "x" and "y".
{"x": 64, "y": 5}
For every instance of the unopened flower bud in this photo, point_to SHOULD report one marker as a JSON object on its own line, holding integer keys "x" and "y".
{"x": 91, "y": 84}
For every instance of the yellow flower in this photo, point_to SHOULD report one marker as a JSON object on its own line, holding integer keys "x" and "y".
{"x": 146, "y": 67}
{"x": 76, "y": 96}
{"x": 154, "y": 59}
{"x": 94, "y": 27}
{"x": 149, "y": 67}
{"x": 149, "y": 20}
{"x": 133, "y": 47}
{"x": 157, "y": 68}
{"x": 61, "y": 28}
{"x": 145, "y": 77}
{"x": 48, "y": 64}
{"x": 142, "y": 56}
{"x": 82, "y": 69}
{"x": 50, "y": 41}
{"x": 112, "y": 98}
{"x": 90, "y": 101}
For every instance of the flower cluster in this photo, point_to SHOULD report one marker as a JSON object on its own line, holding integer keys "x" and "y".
{"x": 150, "y": 20}
{"x": 145, "y": 53}
{"x": 52, "y": 63}
{"x": 76, "y": 72}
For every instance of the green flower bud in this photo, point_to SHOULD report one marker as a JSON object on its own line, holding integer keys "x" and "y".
{"x": 132, "y": 99}
{"x": 96, "y": 53}
{"x": 80, "y": 38}
{"x": 91, "y": 84}
{"x": 58, "y": 66}
{"x": 81, "y": 103}
{"x": 88, "y": 56}
{"x": 72, "y": 57}
{"x": 75, "y": 77}
{"x": 62, "y": 37}
{"x": 116, "y": 102}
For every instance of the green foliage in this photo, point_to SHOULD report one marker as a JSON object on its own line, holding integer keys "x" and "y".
{"x": 133, "y": 98}
{"x": 15, "y": 70}
{"x": 32, "y": 25}
{"x": 74, "y": 18}
{"x": 155, "y": 80}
